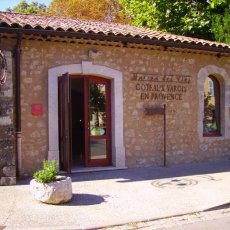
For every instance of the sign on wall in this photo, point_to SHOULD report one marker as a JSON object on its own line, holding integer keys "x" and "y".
{"x": 3, "y": 68}
{"x": 161, "y": 87}
{"x": 37, "y": 109}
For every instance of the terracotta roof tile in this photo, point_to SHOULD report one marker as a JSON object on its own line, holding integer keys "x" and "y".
{"x": 76, "y": 25}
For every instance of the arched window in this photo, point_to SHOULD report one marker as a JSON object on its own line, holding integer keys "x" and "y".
{"x": 211, "y": 122}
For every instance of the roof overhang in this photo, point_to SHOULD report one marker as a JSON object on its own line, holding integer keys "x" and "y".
{"x": 117, "y": 38}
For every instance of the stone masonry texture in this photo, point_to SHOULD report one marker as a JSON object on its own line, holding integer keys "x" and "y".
{"x": 143, "y": 134}
{"x": 7, "y": 148}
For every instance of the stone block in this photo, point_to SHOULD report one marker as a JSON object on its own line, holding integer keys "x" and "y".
{"x": 9, "y": 171}
{"x": 7, "y": 181}
{"x": 52, "y": 193}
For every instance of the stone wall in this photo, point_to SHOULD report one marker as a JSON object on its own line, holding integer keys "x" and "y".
{"x": 143, "y": 134}
{"x": 177, "y": 87}
{"x": 7, "y": 142}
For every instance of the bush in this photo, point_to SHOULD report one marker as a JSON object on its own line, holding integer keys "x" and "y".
{"x": 48, "y": 173}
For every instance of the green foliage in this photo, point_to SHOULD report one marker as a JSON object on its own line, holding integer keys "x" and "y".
{"x": 207, "y": 19}
{"x": 183, "y": 17}
{"x": 24, "y": 7}
{"x": 188, "y": 18}
{"x": 221, "y": 20}
{"x": 48, "y": 173}
{"x": 141, "y": 13}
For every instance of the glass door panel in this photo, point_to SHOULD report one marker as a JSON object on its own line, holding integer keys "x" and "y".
{"x": 99, "y": 122}
{"x": 97, "y": 149}
{"x": 97, "y": 111}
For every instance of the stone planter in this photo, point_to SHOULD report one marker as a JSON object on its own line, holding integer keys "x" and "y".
{"x": 56, "y": 192}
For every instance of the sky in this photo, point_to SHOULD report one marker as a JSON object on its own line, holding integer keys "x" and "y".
{"x": 11, "y": 3}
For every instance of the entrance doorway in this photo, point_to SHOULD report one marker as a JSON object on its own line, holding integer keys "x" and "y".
{"x": 84, "y": 121}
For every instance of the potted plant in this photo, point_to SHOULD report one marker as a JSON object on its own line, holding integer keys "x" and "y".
{"x": 50, "y": 188}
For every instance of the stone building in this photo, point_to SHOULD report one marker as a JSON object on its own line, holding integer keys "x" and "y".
{"x": 93, "y": 95}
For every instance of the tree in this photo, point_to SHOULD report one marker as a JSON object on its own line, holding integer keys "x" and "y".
{"x": 221, "y": 20}
{"x": 185, "y": 17}
{"x": 208, "y": 19}
{"x": 189, "y": 18}
{"x": 140, "y": 13}
{"x": 102, "y": 10}
{"x": 33, "y": 8}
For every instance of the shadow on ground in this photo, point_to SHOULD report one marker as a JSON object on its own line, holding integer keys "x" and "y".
{"x": 80, "y": 199}
{"x": 223, "y": 206}
{"x": 150, "y": 173}
{"x": 153, "y": 173}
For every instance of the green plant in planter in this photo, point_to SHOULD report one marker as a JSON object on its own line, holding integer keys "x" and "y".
{"x": 48, "y": 173}
{"x": 57, "y": 192}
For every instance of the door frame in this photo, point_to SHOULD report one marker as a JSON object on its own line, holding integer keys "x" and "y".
{"x": 88, "y": 68}
{"x": 66, "y": 120}
{"x": 98, "y": 162}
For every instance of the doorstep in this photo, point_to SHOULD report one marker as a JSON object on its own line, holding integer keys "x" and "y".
{"x": 93, "y": 169}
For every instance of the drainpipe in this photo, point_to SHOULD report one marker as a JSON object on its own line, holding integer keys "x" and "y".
{"x": 18, "y": 102}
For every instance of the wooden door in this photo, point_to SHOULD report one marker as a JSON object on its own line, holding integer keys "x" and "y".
{"x": 97, "y": 122}
{"x": 64, "y": 122}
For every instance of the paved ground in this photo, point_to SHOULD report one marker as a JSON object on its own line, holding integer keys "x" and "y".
{"x": 212, "y": 220}
{"x": 102, "y": 199}
{"x": 216, "y": 224}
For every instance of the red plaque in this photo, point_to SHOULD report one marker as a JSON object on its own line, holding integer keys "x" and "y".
{"x": 37, "y": 109}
